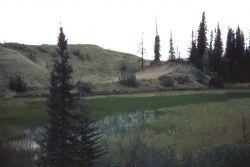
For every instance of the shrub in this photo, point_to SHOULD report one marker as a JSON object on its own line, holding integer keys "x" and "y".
{"x": 41, "y": 49}
{"x": 138, "y": 154}
{"x": 17, "y": 83}
{"x": 182, "y": 79}
{"x": 85, "y": 87}
{"x": 127, "y": 67}
{"x": 54, "y": 54}
{"x": 17, "y": 46}
{"x": 80, "y": 55}
{"x": 200, "y": 76}
{"x": 76, "y": 52}
{"x": 31, "y": 56}
{"x": 166, "y": 80}
{"x": 84, "y": 57}
{"x": 216, "y": 82}
{"x": 128, "y": 79}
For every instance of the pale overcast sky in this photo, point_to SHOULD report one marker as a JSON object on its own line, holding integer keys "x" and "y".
{"x": 118, "y": 24}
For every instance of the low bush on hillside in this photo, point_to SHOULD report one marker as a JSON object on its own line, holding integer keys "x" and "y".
{"x": 216, "y": 82}
{"x": 17, "y": 83}
{"x": 85, "y": 87}
{"x": 41, "y": 49}
{"x": 31, "y": 56}
{"x": 166, "y": 81}
{"x": 200, "y": 76}
{"x": 54, "y": 54}
{"x": 127, "y": 67}
{"x": 17, "y": 46}
{"x": 128, "y": 79}
{"x": 182, "y": 79}
{"x": 81, "y": 56}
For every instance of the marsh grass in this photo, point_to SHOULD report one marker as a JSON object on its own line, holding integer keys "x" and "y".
{"x": 18, "y": 114}
{"x": 194, "y": 133}
{"x": 189, "y": 121}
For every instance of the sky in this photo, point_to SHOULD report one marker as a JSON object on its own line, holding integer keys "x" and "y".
{"x": 118, "y": 24}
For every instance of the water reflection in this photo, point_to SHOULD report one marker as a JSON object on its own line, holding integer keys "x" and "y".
{"x": 27, "y": 141}
{"x": 110, "y": 126}
{"x": 119, "y": 124}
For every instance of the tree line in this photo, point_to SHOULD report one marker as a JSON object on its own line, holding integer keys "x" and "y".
{"x": 231, "y": 64}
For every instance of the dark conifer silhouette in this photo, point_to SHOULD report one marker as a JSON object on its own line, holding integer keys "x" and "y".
{"x": 193, "y": 51}
{"x": 55, "y": 144}
{"x": 201, "y": 41}
{"x": 240, "y": 55}
{"x": 171, "y": 49}
{"x": 239, "y": 44}
{"x": 228, "y": 61}
{"x": 157, "y": 47}
{"x": 210, "y": 51}
{"x": 87, "y": 147}
{"x": 58, "y": 142}
{"x": 216, "y": 58}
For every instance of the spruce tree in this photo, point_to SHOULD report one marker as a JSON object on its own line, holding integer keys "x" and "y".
{"x": 193, "y": 51}
{"x": 157, "y": 47}
{"x": 55, "y": 144}
{"x": 239, "y": 44}
{"x": 87, "y": 146}
{"x": 59, "y": 141}
{"x": 217, "y": 53}
{"x": 171, "y": 49}
{"x": 201, "y": 41}
{"x": 230, "y": 44}
{"x": 210, "y": 51}
{"x": 228, "y": 60}
{"x": 240, "y": 56}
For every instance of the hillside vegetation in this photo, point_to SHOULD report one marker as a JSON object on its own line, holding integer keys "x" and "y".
{"x": 92, "y": 63}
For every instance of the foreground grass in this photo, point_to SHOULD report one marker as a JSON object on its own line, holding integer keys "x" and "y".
{"x": 19, "y": 114}
{"x": 198, "y": 128}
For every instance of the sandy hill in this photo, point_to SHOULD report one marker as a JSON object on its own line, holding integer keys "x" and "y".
{"x": 92, "y": 63}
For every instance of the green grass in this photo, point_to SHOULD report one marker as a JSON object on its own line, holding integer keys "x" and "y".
{"x": 103, "y": 106}
{"x": 184, "y": 120}
{"x": 194, "y": 127}
{"x": 19, "y": 114}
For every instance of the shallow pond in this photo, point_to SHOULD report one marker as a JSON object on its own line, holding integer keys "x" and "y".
{"x": 111, "y": 127}
{"x": 27, "y": 141}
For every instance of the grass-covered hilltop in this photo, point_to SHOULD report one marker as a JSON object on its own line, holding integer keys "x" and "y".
{"x": 100, "y": 67}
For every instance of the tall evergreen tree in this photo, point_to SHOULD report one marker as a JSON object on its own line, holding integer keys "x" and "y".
{"x": 240, "y": 55}
{"x": 230, "y": 44}
{"x": 201, "y": 41}
{"x": 54, "y": 145}
{"x": 210, "y": 51}
{"x": 171, "y": 49}
{"x": 211, "y": 41}
{"x": 193, "y": 51}
{"x": 217, "y": 53}
{"x": 228, "y": 60}
{"x": 157, "y": 47}
{"x": 239, "y": 43}
{"x": 58, "y": 141}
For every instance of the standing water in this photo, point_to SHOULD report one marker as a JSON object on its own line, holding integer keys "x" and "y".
{"x": 110, "y": 126}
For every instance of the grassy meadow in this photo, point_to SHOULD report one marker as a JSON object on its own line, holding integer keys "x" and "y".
{"x": 181, "y": 120}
